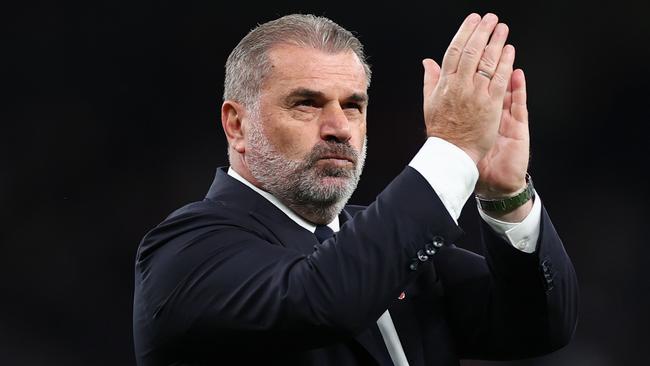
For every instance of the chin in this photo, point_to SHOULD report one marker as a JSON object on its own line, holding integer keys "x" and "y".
{"x": 340, "y": 182}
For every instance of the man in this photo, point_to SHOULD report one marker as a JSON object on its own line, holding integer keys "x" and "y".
{"x": 273, "y": 268}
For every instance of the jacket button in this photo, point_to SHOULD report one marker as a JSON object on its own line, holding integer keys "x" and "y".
{"x": 549, "y": 284}
{"x": 438, "y": 241}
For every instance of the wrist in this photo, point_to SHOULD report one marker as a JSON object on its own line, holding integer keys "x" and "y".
{"x": 473, "y": 154}
{"x": 506, "y": 203}
{"x": 484, "y": 191}
{"x": 515, "y": 216}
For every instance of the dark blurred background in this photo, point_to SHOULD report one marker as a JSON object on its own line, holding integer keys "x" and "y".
{"x": 112, "y": 121}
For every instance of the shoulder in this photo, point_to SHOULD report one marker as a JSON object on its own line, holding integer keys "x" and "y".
{"x": 193, "y": 221}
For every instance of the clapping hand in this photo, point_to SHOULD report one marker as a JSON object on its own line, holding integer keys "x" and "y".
{"x": 477, "y": 102}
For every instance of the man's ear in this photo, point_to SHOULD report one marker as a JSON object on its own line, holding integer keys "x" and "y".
{"x": 232, "y": 114}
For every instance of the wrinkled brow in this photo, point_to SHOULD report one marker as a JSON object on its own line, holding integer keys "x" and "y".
{"x": 314, "y": 94}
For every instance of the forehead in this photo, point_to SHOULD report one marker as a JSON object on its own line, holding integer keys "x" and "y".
{"x": 295, "y": 66}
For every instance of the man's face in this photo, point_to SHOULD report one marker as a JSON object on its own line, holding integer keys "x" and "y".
{"x": 306, "y": 143}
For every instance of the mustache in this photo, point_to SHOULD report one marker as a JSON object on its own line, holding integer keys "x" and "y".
{"x": 339, "y": 150}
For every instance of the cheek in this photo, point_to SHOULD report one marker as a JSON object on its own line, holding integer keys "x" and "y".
{"x": 359, "y": 136}
{"x": 293, "y": 139}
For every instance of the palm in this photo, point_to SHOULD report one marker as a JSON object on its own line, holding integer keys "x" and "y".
{"x": 503, "y": 169}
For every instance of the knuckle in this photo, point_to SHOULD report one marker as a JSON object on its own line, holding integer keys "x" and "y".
{"x": 481, "y": 101}
{"x": 450, "y": 88}
{"x": 499, "y": 79}
{"x": 453, "y": 50}
{"x": 471, "y": 51}
{"x": 488, "y": 62}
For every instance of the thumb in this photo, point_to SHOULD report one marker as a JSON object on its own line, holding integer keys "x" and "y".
{"x": 431, "y": 76}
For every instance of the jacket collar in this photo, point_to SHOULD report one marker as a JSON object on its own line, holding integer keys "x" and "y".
{"x": 231, "y": 192}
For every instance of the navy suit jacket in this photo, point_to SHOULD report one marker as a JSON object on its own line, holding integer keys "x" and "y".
{"x": 233, "y": 280}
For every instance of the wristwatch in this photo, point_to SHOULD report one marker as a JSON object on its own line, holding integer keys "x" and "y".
{"x": 508, "y": 204}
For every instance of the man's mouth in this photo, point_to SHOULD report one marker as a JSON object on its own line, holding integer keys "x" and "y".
{"x": 337, "y": 158}
{"x": 336, "y": 163}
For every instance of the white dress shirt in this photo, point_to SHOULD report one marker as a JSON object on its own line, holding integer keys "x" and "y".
{"x": 452, "y": 174}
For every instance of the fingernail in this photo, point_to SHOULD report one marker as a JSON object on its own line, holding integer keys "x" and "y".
{"x": 489, "y": 17}
{"x": 473, "y": 18}
{"x": 501, "y": 28}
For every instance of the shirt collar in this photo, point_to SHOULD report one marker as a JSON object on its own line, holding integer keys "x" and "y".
{"x": 334, "y": 225}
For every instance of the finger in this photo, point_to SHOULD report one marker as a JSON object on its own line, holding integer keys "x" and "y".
{"x": 475, "y": 46}
{"x": 452, "y": 55}
{"x": 491, "y": 55}
{"x": 431, "y": 76}
{"x": 518, "y": 108}
{"x": 507, "y": 99}
{"x": 501, "y": 78}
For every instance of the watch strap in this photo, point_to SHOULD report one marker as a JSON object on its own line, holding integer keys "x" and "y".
{"x": 508, "y": 204}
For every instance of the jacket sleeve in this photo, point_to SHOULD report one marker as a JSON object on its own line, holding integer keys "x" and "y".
{"x": 510, "y": 304}
{"x": 220, "y": 284}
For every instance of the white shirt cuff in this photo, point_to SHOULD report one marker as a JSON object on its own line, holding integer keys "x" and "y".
{"x": 522, "y": 235}
{"x": 449, "y": 171}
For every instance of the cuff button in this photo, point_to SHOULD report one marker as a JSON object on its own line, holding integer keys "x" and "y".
{"x": 429, "y": 249}
{"x": 422, "y": 256}
{"x": 414, "y": 266}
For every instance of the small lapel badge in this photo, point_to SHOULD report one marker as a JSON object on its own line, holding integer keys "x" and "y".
{"x": 401, "y": 296}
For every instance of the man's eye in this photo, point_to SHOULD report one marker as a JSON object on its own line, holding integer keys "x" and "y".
{"x": 306, "y": 103}
{"x": 356, "y": 106}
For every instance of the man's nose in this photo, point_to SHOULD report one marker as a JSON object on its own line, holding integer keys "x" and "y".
{"x": 334, "y": 124}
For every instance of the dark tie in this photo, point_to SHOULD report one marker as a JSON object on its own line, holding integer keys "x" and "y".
{"x": 323, "y": 232}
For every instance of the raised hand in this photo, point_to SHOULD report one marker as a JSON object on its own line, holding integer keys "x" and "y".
{"x": 502, "y": 171}
{"x": 463, "y": 100}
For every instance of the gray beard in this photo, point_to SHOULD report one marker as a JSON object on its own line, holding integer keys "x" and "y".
{"x": 300, "y": 184}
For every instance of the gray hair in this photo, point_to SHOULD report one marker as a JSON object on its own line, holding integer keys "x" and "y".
{"x": 248, "y": 63}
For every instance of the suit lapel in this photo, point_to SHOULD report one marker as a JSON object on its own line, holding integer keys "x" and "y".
{"x": 403, "y": 314}
{"x": 371, "y": 338}
{"x": 275, "y": 225}
{"x": 373, "y": 342}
